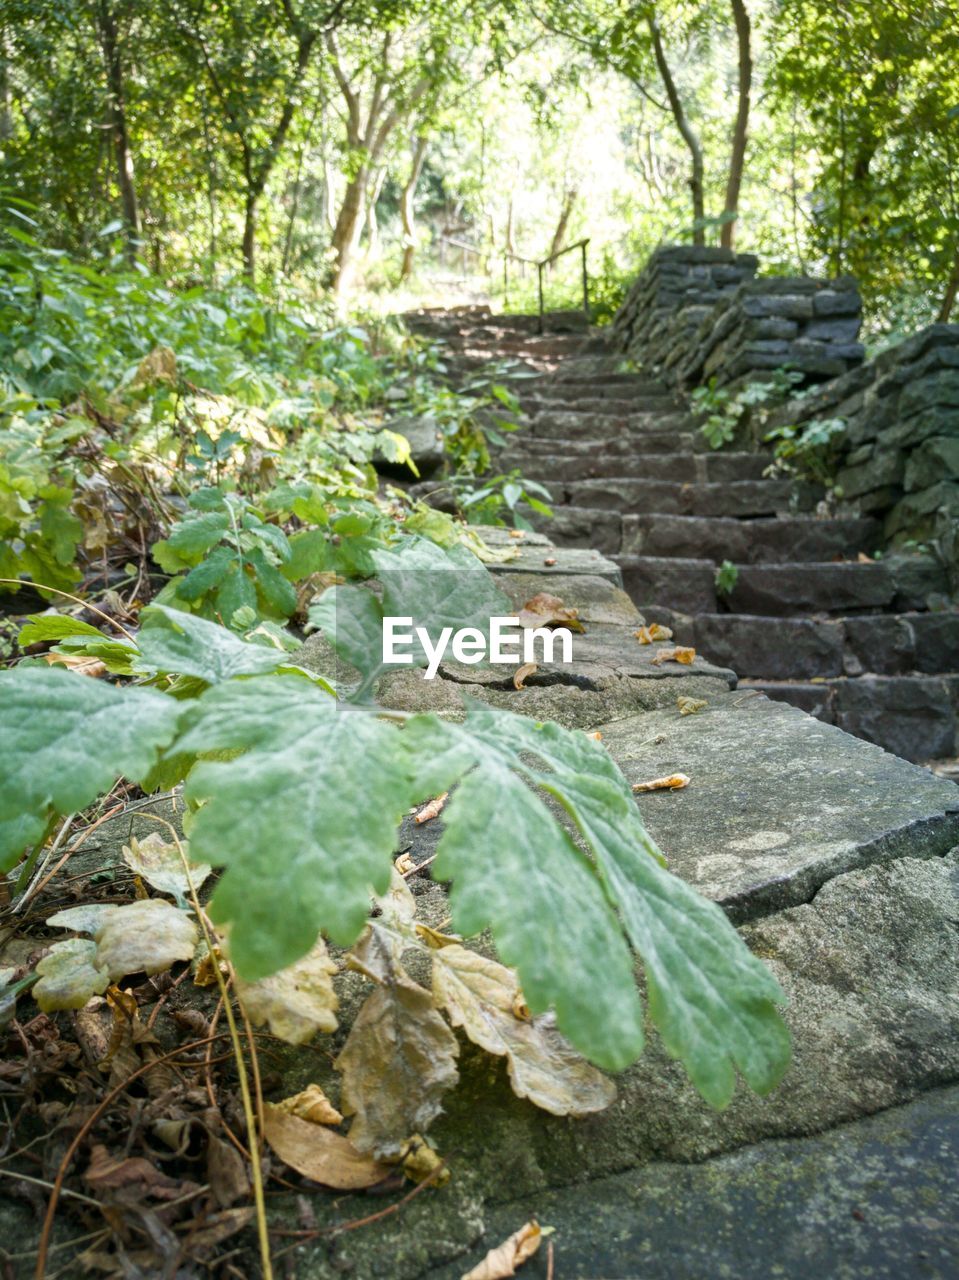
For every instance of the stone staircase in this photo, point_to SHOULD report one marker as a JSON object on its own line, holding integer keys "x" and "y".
{"x": 808, "y": 615}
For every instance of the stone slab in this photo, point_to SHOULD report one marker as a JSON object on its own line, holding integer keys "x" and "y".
{"x": 779, "y": 803}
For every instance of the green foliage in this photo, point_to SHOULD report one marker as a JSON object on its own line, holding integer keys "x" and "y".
{"x": 276, "y": 790}
{"x": 499, "y": 497}
{"x": 811, "y": 449}
{"x": 726, "y": 577}
{"x": 728, "y": 413}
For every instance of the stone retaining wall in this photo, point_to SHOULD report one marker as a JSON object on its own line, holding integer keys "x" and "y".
{"x": 698, "y": 313}
{"x": 899, "y": 457}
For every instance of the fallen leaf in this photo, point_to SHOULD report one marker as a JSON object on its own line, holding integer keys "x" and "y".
{"x": 677, "y": 654}
{"x": 159, "y": 863}
{"x": 211, "y": 1228}
{"x": 106, "y": 1173}
{"x": 674, "y": 782}
{"x": 549, "y": 561}
{"x": 399, "y": 1059}
{"x": 431, "y": 810}
{"x": 595, "y": 735}
{"x": 521, "y": 674}
{"x": 512, "y": 1253}
{"x": 205, "y": 965}
{"x": 311, "y": 1104}
{"x": 226, "y": 1172}
{"x": 320, "y": 1153}
{"x": 544, "y": 610}
{"x": 146, "y": 936}
{"x": 404, "y": 864}
{"x": 87, "y": 918}
{"x": 420, "y": 1161}
{"x": 296, "y": 1002}
{"x": 69, "y": 975}
{"x": 650, "y": 634}
{"x": 690, "y": 706}
{"x": 482, "y": 996}
{"x": 83, "y": 666}
{"x": 517, "y": 533}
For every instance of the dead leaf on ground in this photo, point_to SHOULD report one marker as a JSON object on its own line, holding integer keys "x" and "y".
{"x": 296, "y": 1002}
{"x": 691, "y": 706}
{"x": 148, "y": 936}
{"x": 519, "y": 534}
{"x": 421, "y": 1161}
{"x": 158, "y": 861}
{"x": 506, "y": 1257}
{"x": 677, "y": 654}
{"x": 652, "y": 633}
{"x": 82, "y": 665}
{"x": 431, "y": 810}
{"x": 87, "y": 918}
{"x": 319, "y": 1153}
{"x": 226, "y": 1172}
{"x": 522, "y": 674}
{"x": 544, "y": 610}
{"x": 404, "y": 864}
{"x": 549, "y": 561}
{"x": 69, "y": 975}
{"x": 674, "y": 782}
{"x": 482, "y": 996}
{"x": 106, "y": 1173}
{"x": 311, "y": 1104}
{"x": 398, "y": 1061}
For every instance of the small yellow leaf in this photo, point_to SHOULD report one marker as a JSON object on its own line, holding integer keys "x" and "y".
{"x": 545, "y": 610}
{"x": 648, "y": 635}
{"x": 521, "y": 674}
{"x": 431, "y": 810}
{"x": 420, "y": 1161}
{"x": 677, "y": 654}
{"x": 311, "y": 1104}
{"x": 674, "y": 782}
{"x": 517, "y": 533}
{"x": 296, "y": 1002}
{"x": 404, "y": 864}
{"x": 690, "y": 706}
{"x": 319, "y": 1153}
{"x": 83, "y": 666}
{"x": 502, "y": 1261}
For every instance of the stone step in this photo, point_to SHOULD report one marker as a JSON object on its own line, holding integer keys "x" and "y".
{"x": 780, "y": 538}
{"x": 685, "y": 584}
{"x": 914, "y": 717}
{"x": 682, "y": 468}
{"x": 535, "y": 402}
{"x": 564, "y": 425}
{"x": 896, "y": 584}
{"x": 528, "y": 448}
{"x": 803, "y": 649}
{"x": 584, "y": 527}
{"x": 550, "y": 391}
{"x": 731, "y": 498}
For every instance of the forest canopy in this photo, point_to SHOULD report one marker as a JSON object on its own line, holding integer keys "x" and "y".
{"x": 358, "y": 143}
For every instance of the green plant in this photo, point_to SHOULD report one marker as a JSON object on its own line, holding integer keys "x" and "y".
{"x": 811, "y": 449}
{"x": 274, "y": 756}
{"x": 727, "y": 412}
{"x": 497, "y": 496}
{"x": 726, "y": 577}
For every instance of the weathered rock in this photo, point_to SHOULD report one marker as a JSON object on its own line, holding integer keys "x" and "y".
{"x": 771, "y": 648}
{"x": 914, "y": 716}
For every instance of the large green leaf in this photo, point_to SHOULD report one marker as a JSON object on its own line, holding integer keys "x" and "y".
{"x": 304, "y": 821}
{"x": 173, "y": 641}
{"x": 712, "y": 1001}
{"x": 63, "y": 741}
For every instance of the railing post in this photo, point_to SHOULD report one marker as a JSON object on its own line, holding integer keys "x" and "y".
{"x": 585, "y": 284}
{"x": 539, "y": 286}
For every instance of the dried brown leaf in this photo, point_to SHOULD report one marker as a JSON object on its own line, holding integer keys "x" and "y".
{"x": 398, "y": 1061}
{"x": 691, "y": 706}
{"x": 483, "y": 997}
{"x": 522, "y": 674}
{"x": 431, "y": 810}
{"x": 320, "y": 1153}
{"x": 545, "y": 610}
{"x": 311, "y": 1104}
{"x": 421, "y": 1161}
{"x": 678, "y": 653}
{"x": 296, "y": 1002}
{"x": 652, "y": 633}
{"x": 674, "y": 782}
{"x": 506, "y": 1257}
{"x": 83, "y": 666}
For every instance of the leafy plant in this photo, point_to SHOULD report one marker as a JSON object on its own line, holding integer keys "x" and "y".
{"x": 727, "y": 411}
{"x": 727, "y": 575}
{"x": 500, "y": 496}
{"x": 251, "y": 748}
{"x": 811, "y": 449}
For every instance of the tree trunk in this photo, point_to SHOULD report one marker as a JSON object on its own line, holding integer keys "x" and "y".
{"x": 737, "y": 157}
{"x": 329, "y": 194}
{"x": 346, "y": 233}
{"x": 117, "y": 120}
{"x": 407, "y": 207}
{"x": 559, "y": 235}
{"x": 249, "y": 233}
{"x": 510, "y": 231}
{"x": 372, "y": 196}
{"x": 949, "y": 297}
{"x": 686, "y": 130}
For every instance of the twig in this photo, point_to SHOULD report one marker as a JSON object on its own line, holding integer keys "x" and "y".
{"x": 42, "y": 586}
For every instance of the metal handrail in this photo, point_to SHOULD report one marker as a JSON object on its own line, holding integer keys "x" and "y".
{"x": 541, "y": 265}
